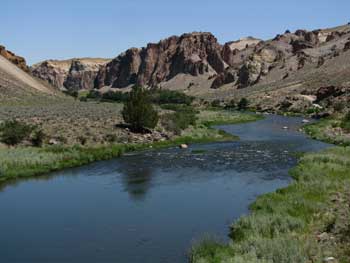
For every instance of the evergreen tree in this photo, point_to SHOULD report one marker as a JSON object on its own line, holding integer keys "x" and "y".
{"x": 138, "y": 110}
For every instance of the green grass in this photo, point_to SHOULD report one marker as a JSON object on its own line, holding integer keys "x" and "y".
{"x": 30, "y": 161}
{"x": 282, "y": 225}
{"x": 23, "y": 162}
{"x": 222, "y": 117}
{"x": 328, "y": 130}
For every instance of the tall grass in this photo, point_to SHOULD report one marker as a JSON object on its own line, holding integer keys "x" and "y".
{"x": 326, "y": 130}
{"x": 281, "y": 225}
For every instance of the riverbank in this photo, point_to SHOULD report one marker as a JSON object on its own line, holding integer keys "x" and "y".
{"x": 307, "y": 221}
{"x": 21, "y": 162}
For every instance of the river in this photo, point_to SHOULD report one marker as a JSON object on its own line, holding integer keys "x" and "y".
{"x": 148, "y": 206}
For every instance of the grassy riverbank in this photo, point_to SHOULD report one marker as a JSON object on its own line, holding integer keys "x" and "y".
{"x": 328, "y": 130}
{"x": 309, "y": 221}
{"x": 22, "y": 162}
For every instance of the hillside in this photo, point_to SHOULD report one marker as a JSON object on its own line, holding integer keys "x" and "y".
{"x": 18, "y": 85}
{"x": 276, "y": 74}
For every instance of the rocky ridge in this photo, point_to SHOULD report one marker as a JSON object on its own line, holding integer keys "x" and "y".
{"x": 17, "y": 60}
{"x": 273, "y": 74}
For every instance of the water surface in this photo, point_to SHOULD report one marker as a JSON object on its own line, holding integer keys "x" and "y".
{"x": 149, "y": 206}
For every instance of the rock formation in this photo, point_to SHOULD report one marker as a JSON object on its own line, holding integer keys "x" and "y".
{"x": 194, "y": 54}
{"x": 196, "y": 63}
{"x": 17, "y": 60}
{"x": 72, "y": 74}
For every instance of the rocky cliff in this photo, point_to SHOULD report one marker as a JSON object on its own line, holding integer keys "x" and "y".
{"x": 17, "y": 60}
{"x": 72, "y": 74}
{"x": 193, "y": 54}
{"x": 273, "y": 73}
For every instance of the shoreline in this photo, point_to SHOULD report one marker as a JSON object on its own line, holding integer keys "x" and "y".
{"x": 63, "y": 157}
{"x": 297, "y": 223}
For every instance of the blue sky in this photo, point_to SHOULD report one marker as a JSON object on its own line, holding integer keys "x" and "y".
{"x": 39, "y": 29}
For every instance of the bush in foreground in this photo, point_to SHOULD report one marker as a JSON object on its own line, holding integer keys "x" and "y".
{"x": 138, "y": 110}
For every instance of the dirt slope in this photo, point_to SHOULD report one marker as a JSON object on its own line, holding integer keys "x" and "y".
{"x": 18, "y": 76}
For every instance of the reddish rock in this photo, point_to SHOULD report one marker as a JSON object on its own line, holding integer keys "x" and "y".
{"x": 17, "y": 60}
{"x": 194, "y": 54}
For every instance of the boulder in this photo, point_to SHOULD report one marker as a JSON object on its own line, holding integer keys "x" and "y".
{"x": 183, "y": 146}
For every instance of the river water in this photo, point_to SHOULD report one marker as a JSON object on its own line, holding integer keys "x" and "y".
{"x": 149, "y": 206}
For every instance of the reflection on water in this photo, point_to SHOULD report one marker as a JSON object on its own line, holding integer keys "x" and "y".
{"x": 149, "y": 206}
{"x": 136, "y": 181}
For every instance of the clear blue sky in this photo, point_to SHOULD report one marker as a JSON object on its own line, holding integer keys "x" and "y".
{"x": 43, "y": 29}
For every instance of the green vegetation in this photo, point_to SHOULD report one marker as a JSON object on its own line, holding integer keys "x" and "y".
{"x": 222, "y": 117}
{"x": 30, "y": 161}
{"x": 287, "y": 226}
{"x": 307, "y": 221}
{"x": 38, "y": 137}
{"x": 157, "y": 96}
{"x": 243, "y": 104}
{"x": 115, "y": 96}
{"x": 72, "y": 93}
{"x": 329, "y": 130}
{"x": 345, "y": 123}
{"x": 138, "y": 110}
{"x": 14, "y": 132}
{"x": 160, "y": 96}
{"x": 231, "y": 105}
{"x": 181, "y": 119}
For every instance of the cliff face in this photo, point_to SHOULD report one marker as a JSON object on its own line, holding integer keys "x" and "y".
{"x": 194, "y": 54}
{"x": 72, "y": 74}
{"x": 267, "y": 72}
{"x": 17, "y": 60}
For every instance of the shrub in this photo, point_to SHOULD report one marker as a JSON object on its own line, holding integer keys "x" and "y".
{"x": 93, "y": 94}
{"x": 215, "y": 103}
{"x": 243, "y": 104}
{"x": 116, "y": 96}
{"x": 178, "y": 121}
{"x": 230, "y": 105}
{"x": 160, "y": 96}
{"x": 339, "y": 106}
{"x": 138, "y": 110}
{"x": 14, "y": 132}
{"x": 345, "y": 124}
{"x": 72, "y": 93}
{"x": 82, "y": 140}
{"x": 38, "y": 137}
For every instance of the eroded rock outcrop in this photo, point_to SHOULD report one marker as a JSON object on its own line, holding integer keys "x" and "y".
{"x": 72, "y": 74}
{"x": 82, "y": 74}
{"x": 194, "y": 54}
{"x": 17, "y": 60}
